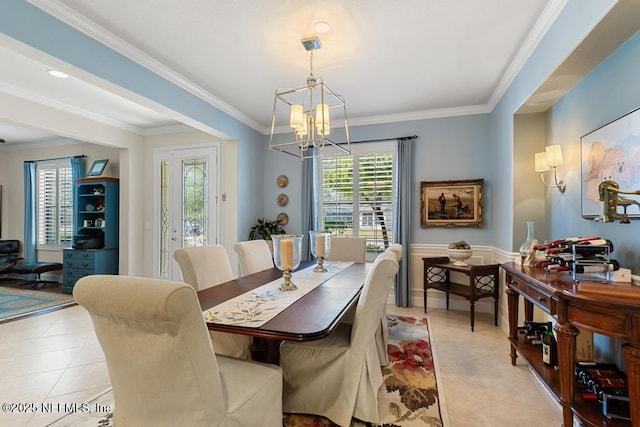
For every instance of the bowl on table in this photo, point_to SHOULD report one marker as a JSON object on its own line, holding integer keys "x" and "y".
{"x": 459, "y": 256}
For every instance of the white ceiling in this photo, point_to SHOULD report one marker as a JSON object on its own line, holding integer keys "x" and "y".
{"x": 390, "y": 60}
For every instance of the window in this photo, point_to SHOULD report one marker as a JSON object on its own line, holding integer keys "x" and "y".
{"x": 55, "y": 203}
{"x": 357, "y": 194}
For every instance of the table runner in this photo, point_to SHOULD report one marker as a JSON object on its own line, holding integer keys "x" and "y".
{"x": 257, "y": 307}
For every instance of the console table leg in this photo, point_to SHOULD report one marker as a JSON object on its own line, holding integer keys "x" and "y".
{"x": 472, "y": 309}
{"x": 632, "y": 355}
{"x": 567, "y": 334}
{"x": 512, "y": 304}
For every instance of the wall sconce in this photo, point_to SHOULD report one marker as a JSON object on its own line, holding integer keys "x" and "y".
{"x": 551, "y": 158}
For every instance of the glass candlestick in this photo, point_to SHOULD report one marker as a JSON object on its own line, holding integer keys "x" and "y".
{"x": 286, "y": 257}
{"x": 320, "y": 243}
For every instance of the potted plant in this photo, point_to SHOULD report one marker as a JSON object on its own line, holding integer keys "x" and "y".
{"x": 264, "y": 228}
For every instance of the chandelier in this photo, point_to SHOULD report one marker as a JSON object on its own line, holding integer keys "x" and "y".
{"x": 312, "y": 111}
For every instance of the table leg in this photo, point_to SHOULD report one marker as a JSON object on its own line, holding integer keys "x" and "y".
{"x": 632, "y": 355}
{"x": 512, "y": 306}
{"x": 567, "y": 334}
{"x": 473, "y": 314}
{"x": 266, "y": 350}
{"x": 425, "y": 300}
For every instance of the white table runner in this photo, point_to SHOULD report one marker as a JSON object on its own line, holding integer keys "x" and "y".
{"x": 257, "y": 307}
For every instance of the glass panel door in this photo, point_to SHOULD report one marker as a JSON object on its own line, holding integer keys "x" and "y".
{"x": 187, "y": 208}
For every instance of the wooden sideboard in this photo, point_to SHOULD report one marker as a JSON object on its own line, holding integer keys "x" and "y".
{"x": 606, "y": 309}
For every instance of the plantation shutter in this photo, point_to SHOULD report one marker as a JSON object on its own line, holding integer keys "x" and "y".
{"x": 357, "y": 195}
{"x": 55, "y": 203}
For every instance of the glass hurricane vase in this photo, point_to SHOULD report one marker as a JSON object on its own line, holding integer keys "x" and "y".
{"x": 286, "y": 257}
{"x": 320, "y": 243}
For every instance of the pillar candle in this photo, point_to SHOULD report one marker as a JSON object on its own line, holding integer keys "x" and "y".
{"x": 320, "y": 246}
{"x": 286, "y": 254}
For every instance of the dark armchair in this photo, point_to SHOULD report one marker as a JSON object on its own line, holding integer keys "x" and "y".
{"x": 8, "y": 255}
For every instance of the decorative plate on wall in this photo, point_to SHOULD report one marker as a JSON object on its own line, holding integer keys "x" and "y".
{"x": 283, "y": 218}
{"x": 282, "y": 181}
{"x": 282, "y": 199}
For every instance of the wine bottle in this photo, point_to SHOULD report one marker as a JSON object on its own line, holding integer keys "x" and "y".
{"x": 584, "y": 370}
{"x": 563, "y": 242}
{"x": 587, "y": 247}
{"x": 549, "y": 347}
{"x": 610, "y": 386}
{"x": 612, "y": 265}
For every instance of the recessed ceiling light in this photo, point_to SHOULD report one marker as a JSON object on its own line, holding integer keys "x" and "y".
{"x": 57, "y": 73}
{"x": 321, "y": 27}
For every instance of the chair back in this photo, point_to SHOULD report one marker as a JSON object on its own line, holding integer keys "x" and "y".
{"x": 204, "y": 266}
{"x": 347, "y": 249}
{"x": 160, "y": 359}
{"x": 396, "y": 248}
{"x": 254, "y": 256}
{"x": 373, "y": 299}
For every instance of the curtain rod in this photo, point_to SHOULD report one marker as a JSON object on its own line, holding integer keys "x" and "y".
{"x": 382, "y": 140}
{"x": 55, "y": 158}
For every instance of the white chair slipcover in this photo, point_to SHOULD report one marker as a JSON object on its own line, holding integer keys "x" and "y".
{"x": 339, "y": 376}
{"x": 206, "y": 266}
{"x": 382, "y": 334}
{"x": 254, "y": 256}
{"x": 161, "y": 363}
{"x": 347, "y": 249}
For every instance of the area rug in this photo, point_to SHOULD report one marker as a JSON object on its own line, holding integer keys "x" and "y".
{"x": 408, "y": 398}
{"x": 16, "y": 303}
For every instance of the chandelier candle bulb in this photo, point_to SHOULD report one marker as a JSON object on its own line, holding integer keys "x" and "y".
{"x": 286, "y": 249}
{"x": 297, "y": 117}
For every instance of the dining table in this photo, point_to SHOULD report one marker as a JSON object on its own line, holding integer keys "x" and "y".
{"x": 313, "y": 316}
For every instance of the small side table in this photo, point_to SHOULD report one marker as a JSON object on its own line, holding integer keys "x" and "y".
{"x": 484, "y": 281}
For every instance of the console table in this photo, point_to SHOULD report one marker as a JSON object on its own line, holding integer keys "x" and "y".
{"x": 597, "y": 307}
{"x": 483, "y": 282}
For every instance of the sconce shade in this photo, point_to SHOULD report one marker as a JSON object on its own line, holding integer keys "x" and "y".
{"x": 541, "y": 162}
{"x": 554, "y": 155}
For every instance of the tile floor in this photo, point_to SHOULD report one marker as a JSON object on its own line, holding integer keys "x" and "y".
{"x": 55, "y": 358}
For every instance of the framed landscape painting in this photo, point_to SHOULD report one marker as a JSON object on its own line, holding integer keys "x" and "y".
{"x": 451, "y": 203}
{"x": 611, "y": 152}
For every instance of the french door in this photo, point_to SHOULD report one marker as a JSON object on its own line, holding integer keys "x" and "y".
{"x": 186, "y": 200}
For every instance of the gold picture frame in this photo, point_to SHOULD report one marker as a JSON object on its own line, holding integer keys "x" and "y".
{"x": 452, "y": 203}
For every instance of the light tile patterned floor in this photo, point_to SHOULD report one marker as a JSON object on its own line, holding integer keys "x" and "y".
{"x": 55, "y": 358}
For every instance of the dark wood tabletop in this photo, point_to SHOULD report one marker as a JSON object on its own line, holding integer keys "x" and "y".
{"x": 312, "y": 317}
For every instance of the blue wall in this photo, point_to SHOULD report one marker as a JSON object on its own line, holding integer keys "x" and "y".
{"x": 446, "y": 149}
{"x": 28, "y": 24}
{"x": 610, "y": 91}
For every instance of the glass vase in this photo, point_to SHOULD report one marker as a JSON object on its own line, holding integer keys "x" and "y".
{"x": 525, "y": 248}
{"x": 320, "y": 244}
{"x": 286, "y": 257}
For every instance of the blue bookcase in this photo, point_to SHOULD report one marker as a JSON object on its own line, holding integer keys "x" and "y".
{"x": 95, "y": 231}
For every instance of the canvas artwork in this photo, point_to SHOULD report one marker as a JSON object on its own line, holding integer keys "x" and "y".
{"x": 452, "y": 203}
{"x": 611, "y": 152}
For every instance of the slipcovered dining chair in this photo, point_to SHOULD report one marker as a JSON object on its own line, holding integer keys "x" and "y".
{"x": 382, "y": 334}
{"x": 254, "y": 256}
{"x": 161, "y": 363}
{"x": 347, "y": 249}
{"x": 203, "y": 267}
{"x": 339, "y": 376}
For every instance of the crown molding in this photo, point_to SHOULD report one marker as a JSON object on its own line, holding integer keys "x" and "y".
{"x": 91, "y": 29}
{"x": 75, "y": 20}
{"x": 540, "y": 28}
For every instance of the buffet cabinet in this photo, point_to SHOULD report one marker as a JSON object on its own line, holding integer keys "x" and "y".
{"x": 605, "y": 308}
{"x": 80, "y": 263}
